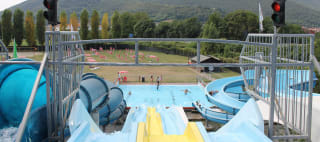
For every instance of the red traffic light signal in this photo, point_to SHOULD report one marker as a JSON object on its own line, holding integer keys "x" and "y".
{"x": 276, "y": 7}
{"x": 278, "y": 15}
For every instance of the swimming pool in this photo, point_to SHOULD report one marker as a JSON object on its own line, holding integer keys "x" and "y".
{"x": 167, "y": 95}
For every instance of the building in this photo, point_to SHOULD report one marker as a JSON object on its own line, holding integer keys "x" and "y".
{"x": 311, "y": 30}
{"x": 207, "y": 59}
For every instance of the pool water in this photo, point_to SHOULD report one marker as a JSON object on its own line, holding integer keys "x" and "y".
{"x": 8, "y": 134}
{"x": 167, "y": 95}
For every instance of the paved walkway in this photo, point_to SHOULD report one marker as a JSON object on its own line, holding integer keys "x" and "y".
{"x": 25, "y": 54}
{"x": 202, "y": 75}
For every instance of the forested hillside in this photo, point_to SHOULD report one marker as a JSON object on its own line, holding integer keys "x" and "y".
{"x": 297, "y": 11}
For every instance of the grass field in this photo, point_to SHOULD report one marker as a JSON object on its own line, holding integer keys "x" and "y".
{"x": 225, "y": 73}
{"x": 169, "y": 74}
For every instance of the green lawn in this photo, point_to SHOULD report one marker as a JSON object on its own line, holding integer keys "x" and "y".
{"x": 225, "y": 73}
{"x": 169, "y": 74}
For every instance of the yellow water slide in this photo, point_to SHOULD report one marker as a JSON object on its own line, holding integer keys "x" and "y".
{"x": 152, "y": 131}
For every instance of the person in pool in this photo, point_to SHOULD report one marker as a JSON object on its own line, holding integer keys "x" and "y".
{"x": 213, "y": 92}
{"x": 186, "y": 91}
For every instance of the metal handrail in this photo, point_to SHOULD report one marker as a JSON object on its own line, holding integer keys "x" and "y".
{"x": 24, "y": 121}
{"x": 316, "y": 63}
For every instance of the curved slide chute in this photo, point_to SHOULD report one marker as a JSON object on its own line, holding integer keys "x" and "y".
{"x": 101, "y": 96}
{"x": 212, "y": 115}
{"x": 222, "y": 99}
{"x": 16, "y": 83}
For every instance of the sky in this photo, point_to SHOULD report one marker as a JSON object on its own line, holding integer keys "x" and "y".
{"x": 8, "y": 3}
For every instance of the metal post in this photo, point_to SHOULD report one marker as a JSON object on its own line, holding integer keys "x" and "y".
{"x": 49, "y": 111}
{"x": 60, "y": 105}
{"x": 49, "y": 114}
{"x": 259, "y": 56}
{"x": 198, "y": 52}
{"x": 136, "y": 47}
{"x": 273, "y": 82}
{"x": 309, "y": 119}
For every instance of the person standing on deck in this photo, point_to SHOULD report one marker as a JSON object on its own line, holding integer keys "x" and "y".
{"x": 158, "y": 82}
{"x": 119, "y": 76}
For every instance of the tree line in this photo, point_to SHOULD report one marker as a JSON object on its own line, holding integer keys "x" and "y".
{"x": 19, "y": 26}
{"x": 235, "y": 25}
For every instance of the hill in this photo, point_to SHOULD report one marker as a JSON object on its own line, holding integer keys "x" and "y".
{"x": 314, "y": 4}
{"x": 296, "y": 12}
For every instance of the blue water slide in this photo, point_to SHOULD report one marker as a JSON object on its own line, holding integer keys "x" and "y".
{"x": 101, "y": 96}
{"x": 172, "y": 122}
{"x": 212, "y": 115}
{"x": 84, "y": 129}
{"x": 221, "y": 98}
{"x": 235, "y": 90}
{"x": 16, "y": 83}
{"x": 247, "y": 126}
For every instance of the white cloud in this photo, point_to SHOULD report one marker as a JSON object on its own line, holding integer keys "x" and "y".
{"x": 8, "y": 3}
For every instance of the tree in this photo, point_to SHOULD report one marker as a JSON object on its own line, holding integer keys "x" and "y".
{"x": 18, "y": 26}
{"x": 213, "y": 28}
{"x": 127, "y": 21}
{"x": 161, "y": 31}
{"x": 74, "y": 21}
{"x": 116, "y": 26}
{"x": 6, "y": 27}
{"x": 192, "y": 28}
{"x": 29, "y": 29}
{"x": 40, "y": 27}
{"x": 105, "y": 26}
{"x": 95, "y": 25}
{"x": 144, "y": 29}
{"x": 210, "y": 31}
{"x": 63, "y": 21}
{"x": 267, "y": 25}
{"x": 140, "y": 16}
{"x": 84, "y": 24}
{"x": 239, "y": 23}
{"x": 173, "y": 31}
{"x": 317, "y": 44}
{"x": 291, "y": 29}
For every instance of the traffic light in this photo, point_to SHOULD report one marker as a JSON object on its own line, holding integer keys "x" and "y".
{"x": 278, "y": 15}
{"x": 51, "y": 14}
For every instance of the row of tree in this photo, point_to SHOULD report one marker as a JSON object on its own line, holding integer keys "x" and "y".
{"x": 134, "y": 25}
{"x": 235, "y": 25}
{"x": 22, "y": 27}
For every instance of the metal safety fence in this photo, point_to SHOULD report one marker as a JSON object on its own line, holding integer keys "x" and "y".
{"x": 64, "y": 80}
{"x": 285, "y": 82}
{"x": 276, "y": 68}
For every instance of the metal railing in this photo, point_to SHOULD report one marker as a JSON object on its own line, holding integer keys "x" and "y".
{"x": 264, "y": 53}
{"x": 289, "y": 66}
{"x": 316, "y": 63}
{"x": 24, "y": 121}
{"x": 63, "y": 79}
